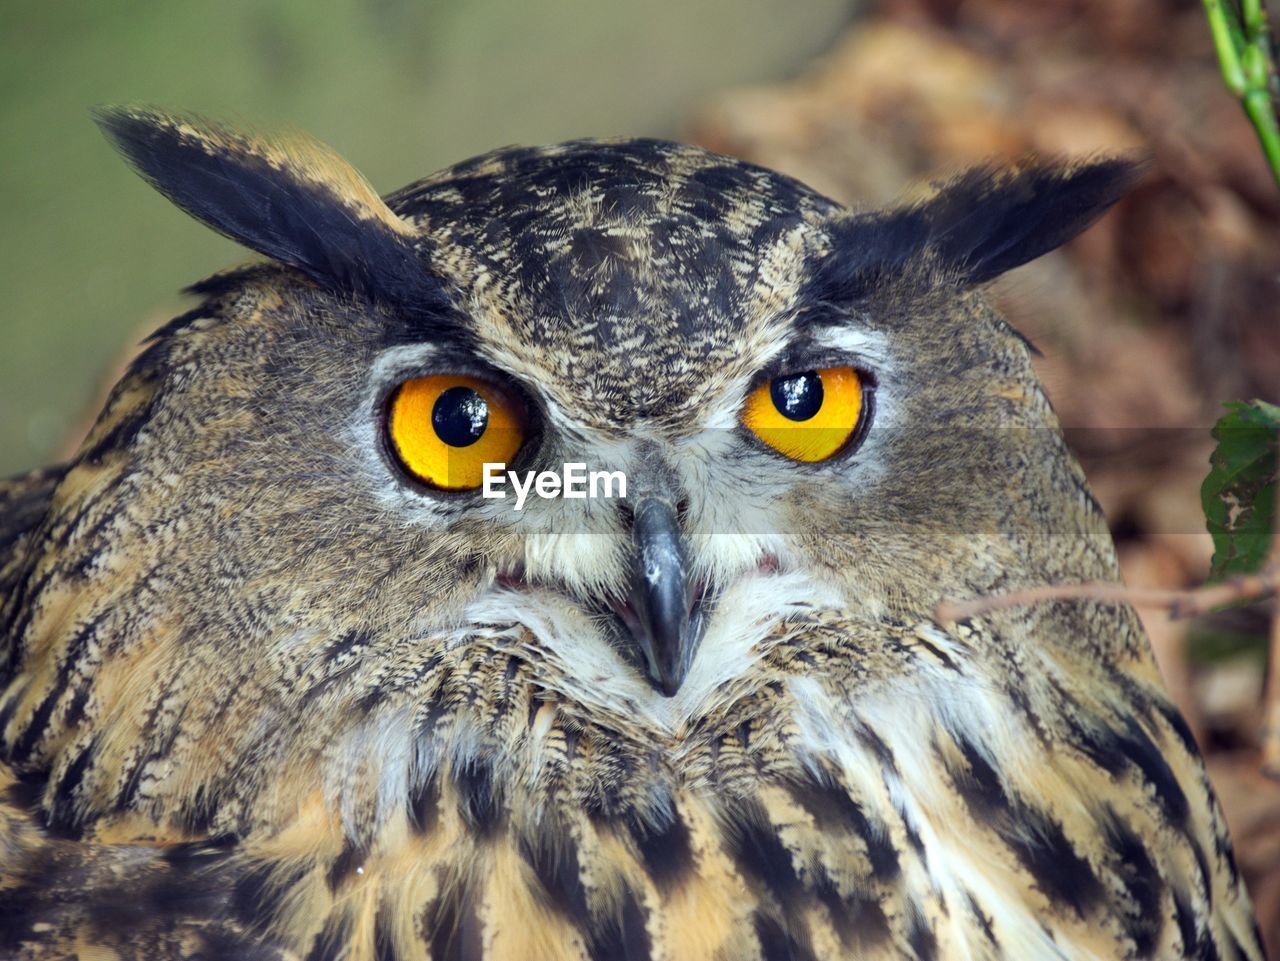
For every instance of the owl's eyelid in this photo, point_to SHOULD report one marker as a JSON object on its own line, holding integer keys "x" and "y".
{"x": 438, "y": 365}
{"x": 793, "y": 364}
{"x": 510, "y": 388}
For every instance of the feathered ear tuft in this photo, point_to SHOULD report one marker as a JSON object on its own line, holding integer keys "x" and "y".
{"x": 988, "y": 222}
{"x": 978, "y": 226}
{"x": 293, "y": 200}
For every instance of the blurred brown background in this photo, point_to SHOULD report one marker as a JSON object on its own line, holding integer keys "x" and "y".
{"x": 1167, "y": 308}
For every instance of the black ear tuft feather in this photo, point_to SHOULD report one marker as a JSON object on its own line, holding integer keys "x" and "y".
{"x": 292, "y": 200}
{"x": 986, "y": 222}
{"x": 867, "y": 248}
{"x": 976, "y": 227}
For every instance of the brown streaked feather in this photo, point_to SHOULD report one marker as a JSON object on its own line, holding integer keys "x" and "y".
{"x": 24, "y": 501}
{"x": 24, "y": 505}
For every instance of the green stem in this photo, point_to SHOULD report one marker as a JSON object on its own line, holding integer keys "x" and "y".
{"x": 1261, "y": 110}
{"x": 1254, "y": 16}
{"x": 1248, "y": 70}
{"x": 1225, "y": 43}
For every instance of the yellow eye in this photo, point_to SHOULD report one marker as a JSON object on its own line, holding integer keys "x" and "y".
{"x": 808, "y": 416}
{"x": 445, "y": 427}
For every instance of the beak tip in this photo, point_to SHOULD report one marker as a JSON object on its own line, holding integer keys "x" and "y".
{"x": 660, "y": 595}
{"x": 668, "y": 683}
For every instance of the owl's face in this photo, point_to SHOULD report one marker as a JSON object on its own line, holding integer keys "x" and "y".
{"x": 815, "y": 412}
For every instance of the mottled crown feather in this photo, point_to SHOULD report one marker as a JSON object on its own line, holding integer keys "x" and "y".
{"x": 292, "y": 199}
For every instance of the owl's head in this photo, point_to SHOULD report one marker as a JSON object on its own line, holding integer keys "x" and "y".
{"x": 282, "y": 539}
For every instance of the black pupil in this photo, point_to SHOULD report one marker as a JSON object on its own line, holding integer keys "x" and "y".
{"x": 460, "y": 416}
{"x": 799, "y": 396}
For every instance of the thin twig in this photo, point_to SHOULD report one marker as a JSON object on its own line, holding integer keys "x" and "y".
{"x": 1271, "y": 706}
{"x": 1178, "y": 604}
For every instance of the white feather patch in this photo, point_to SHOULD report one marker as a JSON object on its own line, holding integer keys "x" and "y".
{"x": 741, "y": 627}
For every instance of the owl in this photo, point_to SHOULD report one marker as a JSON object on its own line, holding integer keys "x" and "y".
{"x": 540, "y": 564}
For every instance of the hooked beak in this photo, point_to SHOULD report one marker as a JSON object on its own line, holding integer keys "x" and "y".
{"x": 661, "y": 596}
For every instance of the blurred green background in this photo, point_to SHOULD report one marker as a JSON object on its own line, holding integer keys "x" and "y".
{"x": 91, "y": 258}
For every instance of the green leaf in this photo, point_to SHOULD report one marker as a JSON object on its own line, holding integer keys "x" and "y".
{"x": 1239, "y": 495}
